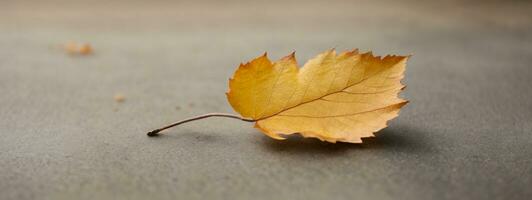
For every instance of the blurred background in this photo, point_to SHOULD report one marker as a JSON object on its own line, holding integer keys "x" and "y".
{"x": 72, "y": 126}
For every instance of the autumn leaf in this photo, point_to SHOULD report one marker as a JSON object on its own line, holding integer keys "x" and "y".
{"x": 333, "y": 97}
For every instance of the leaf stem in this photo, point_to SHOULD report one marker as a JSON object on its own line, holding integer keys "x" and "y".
{"x": 156, "y": 131}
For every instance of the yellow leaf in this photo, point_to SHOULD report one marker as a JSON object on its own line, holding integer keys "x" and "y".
{"x": 333, "y": 97}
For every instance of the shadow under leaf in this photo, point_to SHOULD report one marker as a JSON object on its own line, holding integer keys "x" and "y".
{"x": 403, "y": 139}
{"x": 187, "y": 136}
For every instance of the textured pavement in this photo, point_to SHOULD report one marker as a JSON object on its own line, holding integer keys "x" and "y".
{"x": 466, "y": 133}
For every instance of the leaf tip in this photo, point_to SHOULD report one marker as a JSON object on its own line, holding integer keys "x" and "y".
{"x": 403, "y": 103}
{"x": 291, "y": 56}
{"x": 353, "y": 51}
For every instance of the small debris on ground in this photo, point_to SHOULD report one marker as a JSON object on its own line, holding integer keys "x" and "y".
{"x": 78, "y": 49}
{"x": 178, "y": 108}
{"x": 119, "y": 98}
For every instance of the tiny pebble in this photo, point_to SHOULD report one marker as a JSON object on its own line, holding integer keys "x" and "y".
{"x": 119, "y": 98}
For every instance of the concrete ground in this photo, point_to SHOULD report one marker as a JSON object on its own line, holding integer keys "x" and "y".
{"x": 466, "y": 134}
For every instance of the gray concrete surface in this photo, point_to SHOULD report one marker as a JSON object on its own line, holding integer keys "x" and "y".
{"x": 467, "y": 133}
